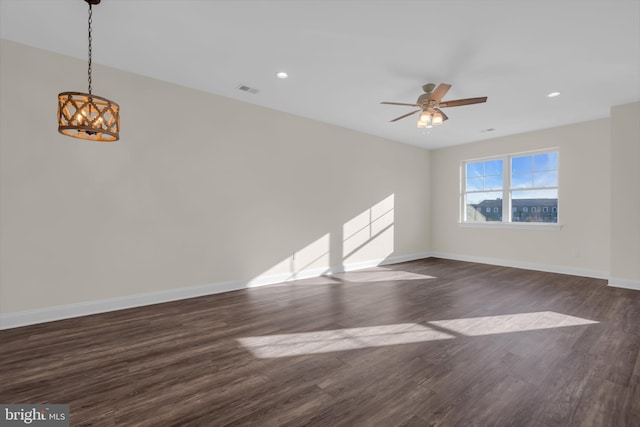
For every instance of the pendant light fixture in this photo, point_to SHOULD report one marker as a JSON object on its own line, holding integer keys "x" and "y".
{"x": 88, "y": 116}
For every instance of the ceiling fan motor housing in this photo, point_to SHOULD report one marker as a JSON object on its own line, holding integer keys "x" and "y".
{"x": 423, "y": 99}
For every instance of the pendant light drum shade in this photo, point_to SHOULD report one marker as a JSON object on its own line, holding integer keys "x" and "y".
{"x": 86, "y": 116}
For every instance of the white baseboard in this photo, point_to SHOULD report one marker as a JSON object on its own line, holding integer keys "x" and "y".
{"x": 67, "y": 311}
{"x": 560, "y": 269}
{"x": 384, "y": 261}
{"x": 618, "y": 282}
{"x": 49, "y": 314}
{"x": 316, "y": 272}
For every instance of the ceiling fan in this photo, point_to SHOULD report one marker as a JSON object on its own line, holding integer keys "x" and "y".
{"x": 430, "y": 102}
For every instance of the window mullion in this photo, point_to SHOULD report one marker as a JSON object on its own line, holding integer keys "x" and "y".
{"x": 506, "y": 189}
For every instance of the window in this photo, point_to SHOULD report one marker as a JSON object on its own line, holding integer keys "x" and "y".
{"x": 524, "y": 186}
{"x": 534, "y": 179}
{"x": 483, "y": 185}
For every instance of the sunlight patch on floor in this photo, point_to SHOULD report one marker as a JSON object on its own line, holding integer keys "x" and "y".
{"x": 287, "y": 345}
{"x": 506, "y": 323}
{"x": 298, "y": 344}
{"x": 382, "y": 274}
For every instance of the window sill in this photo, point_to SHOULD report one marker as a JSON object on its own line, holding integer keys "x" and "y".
{"x": 512, "y": 225}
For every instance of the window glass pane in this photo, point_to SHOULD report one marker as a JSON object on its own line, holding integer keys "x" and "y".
{"x": 521, "y": 180}
{"x": 493, "y": 182}
{"x": 475, "y": 169}
{"x": 478, "y": 203}
{"x": 493, "y": 167}
{"x": 546, "y": 161}
{"x": 474, "y": 184}
{"x": 545, "y": 179}
{"x": 484, "y": 175}
{"x": 531, "y": 204}
{"x": 521, "y": 164}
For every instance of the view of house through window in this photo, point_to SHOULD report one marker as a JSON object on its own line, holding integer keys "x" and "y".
{"x": 512, "y": 188}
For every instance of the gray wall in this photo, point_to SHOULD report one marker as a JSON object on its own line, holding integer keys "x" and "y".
{"x": 200, "y": 190}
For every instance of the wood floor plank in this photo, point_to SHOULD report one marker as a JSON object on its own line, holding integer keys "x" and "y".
{"x": 431, "y": 342}
{"x": 631, "y": 413}
{"x": 601, "y": 404}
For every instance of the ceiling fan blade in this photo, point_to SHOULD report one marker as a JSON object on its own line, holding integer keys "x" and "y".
{"x": 406, "y": 115}
{"x": 439, "y": 92}
{"x": 444, "y": 116}
{"x": 459, "y": 102}
{"x": 400, "y": 103}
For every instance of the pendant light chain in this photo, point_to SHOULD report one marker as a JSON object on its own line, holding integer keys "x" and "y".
{"x": 90, "y": 39}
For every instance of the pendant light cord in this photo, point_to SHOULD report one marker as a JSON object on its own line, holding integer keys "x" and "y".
{"x": 90, "y": 39}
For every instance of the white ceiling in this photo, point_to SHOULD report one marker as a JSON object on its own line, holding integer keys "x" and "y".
{"x": 345, "y": 56}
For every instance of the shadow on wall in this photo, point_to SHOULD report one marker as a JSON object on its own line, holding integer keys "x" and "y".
{"x": 366, "y": 238}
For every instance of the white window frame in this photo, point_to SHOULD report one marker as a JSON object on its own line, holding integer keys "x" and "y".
{"x": 507, "y": 208}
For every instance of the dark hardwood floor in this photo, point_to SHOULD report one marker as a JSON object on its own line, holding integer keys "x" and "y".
{"x": 424, "y": 343}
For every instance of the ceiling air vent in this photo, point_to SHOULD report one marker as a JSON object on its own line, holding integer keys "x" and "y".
{"x": 248, "y": 89}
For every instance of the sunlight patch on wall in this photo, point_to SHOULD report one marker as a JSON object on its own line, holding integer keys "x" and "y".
{"x": 501, "y": 324}
{"x": 310, "y": 261}
{"x": 287, "y": 345}
{"x": 370, "y": 235}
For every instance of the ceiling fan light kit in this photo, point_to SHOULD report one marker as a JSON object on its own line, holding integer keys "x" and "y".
{"x": 87, "y": 116}
{"x": 430, "y": 102}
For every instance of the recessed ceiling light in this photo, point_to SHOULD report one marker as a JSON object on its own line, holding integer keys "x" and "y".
{"x": 553, "y": 94}
{"x": 282, "y": 75}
